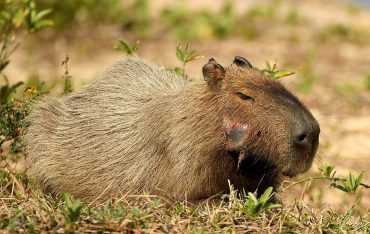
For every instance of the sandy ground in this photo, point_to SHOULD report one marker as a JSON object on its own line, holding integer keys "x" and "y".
{"x": 338, "y": 98}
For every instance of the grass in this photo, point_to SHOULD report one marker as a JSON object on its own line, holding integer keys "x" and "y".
{"x": 23, "y": 208}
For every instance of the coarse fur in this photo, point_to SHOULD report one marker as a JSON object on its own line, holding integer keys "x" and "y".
{"x": 140, "y": 129}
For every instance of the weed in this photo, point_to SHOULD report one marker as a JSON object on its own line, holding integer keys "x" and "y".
{"x": 72, "y": 211}
{"x": 179, "y": 208}
{"x": 254, "y": 206}
{"x": 274, "y": 73}
{"x": 137, "y": 220}
{"x": 12, "y": 113}
{"x": 184, "y": 56}
{"x": 16, "y": 18}
{"x": 125, "y": 47}
{"x": 327, "y": 170}
{"x": 109, "y": 214}
{"x": 7, "y": 90}
{"x": 348, "y": 185}
{"x": 155, "y": 203}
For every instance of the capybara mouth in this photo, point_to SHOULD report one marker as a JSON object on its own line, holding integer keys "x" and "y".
{"x": 247, "y": 163}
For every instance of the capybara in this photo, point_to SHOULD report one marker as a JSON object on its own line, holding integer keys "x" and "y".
{"x": 141, "y": 129}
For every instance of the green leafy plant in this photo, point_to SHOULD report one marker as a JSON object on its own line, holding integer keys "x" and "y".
{"x": 125, "y": 47}
{"x": 7, "y": 90}
{"x": 72, "y": 211}
{"x": 18, "y": 19}
{"x": 13, "y": 111}
{"x": 327, "y": 170}
{"x": 274, "y": 73}
{"x": 184, "y": 56}
{"x": 179, "y": 208}
{"x": 137, "y": 219}
{"x": 254, "y": 206}
{"x": 109, "y": 213}
{"x": 348, "y": 185}
{"x": 36, "y": 19}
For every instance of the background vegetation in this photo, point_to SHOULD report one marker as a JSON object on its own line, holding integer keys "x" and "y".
{"x": 50, "y": 47}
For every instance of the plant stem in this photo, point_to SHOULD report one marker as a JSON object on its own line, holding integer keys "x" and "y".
{"x": 320, "y": 178}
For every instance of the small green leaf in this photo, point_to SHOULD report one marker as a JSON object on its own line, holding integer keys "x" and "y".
{"x": 266, "y": 195}
{"x": 18, "y": 18}
{"x": 272, "y": 206}
{"x": 179, "y": 71}
{"x": 180, "y": 54}
{"x": 340, "y": 187}
{"x": 43, "y": 13}
{"x": 125, "y": 47}
{"x": 254, "y": 199}
{"x": 4, "y": 64}
{"x": 282, "y": 73}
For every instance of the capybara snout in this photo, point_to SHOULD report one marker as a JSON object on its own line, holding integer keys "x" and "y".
{"x": 141, "y": 129}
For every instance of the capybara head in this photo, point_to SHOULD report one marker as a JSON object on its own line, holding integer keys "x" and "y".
{"x": 263, "y": 121}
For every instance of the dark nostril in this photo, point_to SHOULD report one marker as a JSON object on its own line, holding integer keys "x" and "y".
{"x": 301, "y": 139}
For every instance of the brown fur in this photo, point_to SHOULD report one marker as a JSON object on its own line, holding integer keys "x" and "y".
{"x": 138, "y": 129}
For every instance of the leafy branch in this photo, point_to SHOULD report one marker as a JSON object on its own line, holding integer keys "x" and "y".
{"x": 348, "y": 185}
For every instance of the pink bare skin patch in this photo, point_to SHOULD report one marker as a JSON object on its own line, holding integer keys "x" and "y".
{"x": 236, "y": 134}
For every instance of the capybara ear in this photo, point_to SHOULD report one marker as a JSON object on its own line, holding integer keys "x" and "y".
{"x": 213, "y": 73}
{"x": 242, "y": 62}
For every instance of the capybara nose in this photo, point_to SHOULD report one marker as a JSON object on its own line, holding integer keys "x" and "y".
{"x": 306, "y": 133}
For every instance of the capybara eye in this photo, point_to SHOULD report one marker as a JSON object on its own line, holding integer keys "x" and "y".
{"x": 245, "y": 97}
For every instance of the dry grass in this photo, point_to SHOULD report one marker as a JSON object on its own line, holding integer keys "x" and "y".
{"x": 23, "y": 208}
